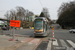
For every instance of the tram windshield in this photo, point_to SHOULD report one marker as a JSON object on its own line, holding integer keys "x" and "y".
{"x": 38, "y": 24}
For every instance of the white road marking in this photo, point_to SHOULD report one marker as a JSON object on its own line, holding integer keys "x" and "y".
{"x": 55, "y": 42}
{"x": 34, "y": 41}
{"x": 49, "y": 45}
{"x": 63, "y": 43}
{"x": 71, "y": 43}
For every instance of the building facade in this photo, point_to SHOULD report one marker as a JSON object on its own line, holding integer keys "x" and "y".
{"x": 31, "y": 18}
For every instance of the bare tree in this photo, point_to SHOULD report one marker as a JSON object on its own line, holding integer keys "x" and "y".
{"x": 7, "y": 15}
{"x": 28, "y": 13}
{"x": 46, "y": 13}
{"x": 13, "y": 14}
{"x": 20, "y": 13}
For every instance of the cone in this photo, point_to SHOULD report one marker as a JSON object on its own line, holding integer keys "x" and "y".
{"x": 11, "y": 39}
{"x": 53, "y": 37}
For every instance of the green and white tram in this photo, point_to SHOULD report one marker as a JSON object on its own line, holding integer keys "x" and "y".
{"x": 41, "y": 26}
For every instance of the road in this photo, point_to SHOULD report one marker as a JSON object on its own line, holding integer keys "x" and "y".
{"x": 27, "y": 32}
{"x": 63, "y": 40}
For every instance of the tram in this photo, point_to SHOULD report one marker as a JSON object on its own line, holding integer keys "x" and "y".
{"x": 41, "y": 26}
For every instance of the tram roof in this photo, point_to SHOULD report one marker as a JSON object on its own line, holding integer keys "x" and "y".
{"x": 41, "y": 18}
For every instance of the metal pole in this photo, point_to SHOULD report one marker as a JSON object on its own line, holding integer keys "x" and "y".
{"x": 13, "y": 30}
{"x": 1, "y": 31}
{"x": 13, "y": 33}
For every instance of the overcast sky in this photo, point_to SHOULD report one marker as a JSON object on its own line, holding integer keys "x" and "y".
{"x": 32, "y": 5}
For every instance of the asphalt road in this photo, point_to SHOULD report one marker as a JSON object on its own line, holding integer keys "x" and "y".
{"x": 27, "y": 32}
{"x": 64, "y": 39}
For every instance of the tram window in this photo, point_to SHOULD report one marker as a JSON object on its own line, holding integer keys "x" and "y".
{"x": 47, "y": 26}
{"x": 44, "y": 26}
{"x": 38, "y": 25}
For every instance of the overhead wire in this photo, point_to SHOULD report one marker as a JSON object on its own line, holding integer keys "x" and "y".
{"x": 41, "y": 3}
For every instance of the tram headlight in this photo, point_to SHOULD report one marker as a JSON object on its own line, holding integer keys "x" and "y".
{"x": 41, "y": 32}
{"x": 34, "y": 32}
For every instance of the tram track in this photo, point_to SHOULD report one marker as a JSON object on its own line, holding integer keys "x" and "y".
{"x": 32, "y": 44}
{"x": 18, "y": 44}
{"x": 38, "y": 44}
{"x": 43, "y": 39}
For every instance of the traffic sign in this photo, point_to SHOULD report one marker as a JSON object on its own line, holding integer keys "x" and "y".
{"x": 52, "y": 28}
{"x": 15, "y": 23}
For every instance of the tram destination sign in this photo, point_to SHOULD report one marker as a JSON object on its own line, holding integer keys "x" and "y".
{"x": 38, "y": 19}
{"x": 15, "y": 23}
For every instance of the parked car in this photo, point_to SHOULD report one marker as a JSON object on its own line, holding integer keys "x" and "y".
{"x": 72, "y": 31}
{"x": 4, "y": 28}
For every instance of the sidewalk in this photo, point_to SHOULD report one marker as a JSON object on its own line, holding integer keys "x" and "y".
{"x": 4, "y": 41}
